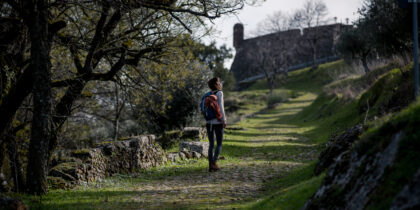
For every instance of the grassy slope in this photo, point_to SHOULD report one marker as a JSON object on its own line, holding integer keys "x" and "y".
{"x": 318, "y": 118}
{"x": 291, "y": 133}
{"x": 329, "y": 113}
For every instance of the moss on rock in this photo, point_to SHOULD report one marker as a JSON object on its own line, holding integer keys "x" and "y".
{"x": 390, "y": 93}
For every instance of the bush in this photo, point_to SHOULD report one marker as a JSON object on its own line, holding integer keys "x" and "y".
{"x": 276, "y": 97}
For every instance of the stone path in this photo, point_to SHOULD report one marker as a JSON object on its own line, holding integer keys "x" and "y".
{"x": 266, "y": 150}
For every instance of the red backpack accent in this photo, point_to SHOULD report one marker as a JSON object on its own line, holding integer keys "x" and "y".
{"x": 211, "y": 102}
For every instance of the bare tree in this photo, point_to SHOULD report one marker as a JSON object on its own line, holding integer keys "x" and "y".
{"x": 312, "y": 15}
{"x": 273, "y": 56}
{"x": 273, "y": 23}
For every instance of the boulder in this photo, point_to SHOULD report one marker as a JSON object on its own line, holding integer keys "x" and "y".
{"x": 353, "y": 177}
{"x": 380, "y": 171}
{"x": 194, "y": 133}
{"x": 336, "y": 146}
{"x": 192, "y": 146}
{"x": 196, "y": 155}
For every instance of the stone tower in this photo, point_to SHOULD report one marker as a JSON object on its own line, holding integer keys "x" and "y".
{"x": 238, "y": 35}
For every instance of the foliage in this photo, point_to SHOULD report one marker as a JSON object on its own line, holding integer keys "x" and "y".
{"x": 351, "y": 84}
{"x": 277, "y": 97}
{"x": 214, "y": 58}
{"x": 168, "y": 96}
{"x": 356, "y": 44}
{"x": 390, "y": 93}
{"x": 388, "y": 27}
{"x": 95, "y": 41}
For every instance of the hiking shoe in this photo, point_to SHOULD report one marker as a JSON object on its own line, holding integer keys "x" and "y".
{"x": 211, "y": 167}
{"x": 215, "y": 166}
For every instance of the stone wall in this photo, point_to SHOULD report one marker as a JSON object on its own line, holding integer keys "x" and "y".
{"x": 115, "y": 157}
{"x": 292, "y": 44}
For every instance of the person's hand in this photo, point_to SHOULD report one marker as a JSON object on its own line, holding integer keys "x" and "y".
{"x": 224, "y": 124}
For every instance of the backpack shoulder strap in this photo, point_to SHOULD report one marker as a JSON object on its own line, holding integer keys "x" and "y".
{"x": 215, "y": 92}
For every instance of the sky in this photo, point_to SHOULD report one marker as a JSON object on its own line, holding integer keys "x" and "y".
{"x": 250, "y": 16}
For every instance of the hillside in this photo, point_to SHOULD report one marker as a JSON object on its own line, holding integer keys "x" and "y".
{"x": 270, "y": 154}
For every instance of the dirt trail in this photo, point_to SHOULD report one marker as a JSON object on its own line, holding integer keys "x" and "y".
{"x": 265, "y": 150}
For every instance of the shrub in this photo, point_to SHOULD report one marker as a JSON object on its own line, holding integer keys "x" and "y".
{"x": 277, "y": 97}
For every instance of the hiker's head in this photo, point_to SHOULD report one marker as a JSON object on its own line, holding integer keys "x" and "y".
{"x": 215, "y": 84}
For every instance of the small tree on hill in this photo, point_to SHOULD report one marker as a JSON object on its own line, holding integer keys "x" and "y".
{"x": 356, "y": 44}
{"x": 312, "y": 15}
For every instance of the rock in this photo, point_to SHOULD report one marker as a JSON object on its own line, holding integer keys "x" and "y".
{"x": 68, "y": 171}
{"x": 107, "y": 159}
{"x": 11, "y": 203}
{"x": 381, "y": 171}
{"x": 182, "y": 156}
{"x": 169, "y": 138}
{"x": 188, "y": 154}
{"x": 194, "y": 133}
{"x": 81, "y": 154}
{"x": 59, "y": 183}
{"x": 409, "y": 196}
{"x": 353, "y": 177}
{"x": 196, "y": 155}
{"x": 199, "y": 147}
{"x": 336, "y": 146}
{"x": 173, "y": 157}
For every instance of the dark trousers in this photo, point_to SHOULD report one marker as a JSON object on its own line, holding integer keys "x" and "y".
{"x": 218, "y": 130}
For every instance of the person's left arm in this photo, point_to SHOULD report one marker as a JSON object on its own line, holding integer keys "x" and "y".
{"x": 221, "y": 105}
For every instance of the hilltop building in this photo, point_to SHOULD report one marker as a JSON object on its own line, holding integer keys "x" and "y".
{"x": 292, "y": 49}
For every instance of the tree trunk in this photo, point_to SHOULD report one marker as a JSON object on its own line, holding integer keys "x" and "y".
{"x": 314, "y": 54}
{"x": 15, "y": 164}
{"x": 271, "y": 80}
{"x": 2, "y": 153}
{"x": 14, "y": 98}
{"x": 40, "y": 132}
{"x": 117, "y": 112}
{"x": 62, "y": 110}
{"x": 365, "y": 65}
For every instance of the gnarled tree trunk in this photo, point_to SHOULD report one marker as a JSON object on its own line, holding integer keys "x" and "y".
{"x": 41, "y": 77}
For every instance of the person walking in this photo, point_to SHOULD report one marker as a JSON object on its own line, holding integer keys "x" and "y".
{"x": 215, "y": 126}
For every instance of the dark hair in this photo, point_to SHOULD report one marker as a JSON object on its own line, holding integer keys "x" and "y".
{"x": 213, "y": 83}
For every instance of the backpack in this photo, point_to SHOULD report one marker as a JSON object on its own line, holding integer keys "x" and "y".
{"x": 208, "y": 112}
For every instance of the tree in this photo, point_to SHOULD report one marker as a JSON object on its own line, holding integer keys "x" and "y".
{"x": 273, "y": 23}
{"x": 271, "y": 58}
{"x": 387, "y": 26}
{"x": 274, "y": 56}
{"x": 102, "y": 38}
{"x": 312, "y": 15}
{"x": 355, "y": 44}
{"x": 215, "y": 57}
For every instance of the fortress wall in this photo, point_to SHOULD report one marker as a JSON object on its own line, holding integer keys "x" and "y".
{"x": 297, "y": 45}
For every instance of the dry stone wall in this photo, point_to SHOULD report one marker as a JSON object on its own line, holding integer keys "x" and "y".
{"x": 116, "y": 157}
